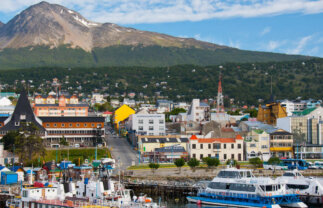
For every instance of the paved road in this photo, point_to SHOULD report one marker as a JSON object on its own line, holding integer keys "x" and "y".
{"x": 122, "y": 151}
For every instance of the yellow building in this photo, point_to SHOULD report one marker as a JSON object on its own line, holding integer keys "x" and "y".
{"x": 281, "y": 144}
{"x": 269, "y": 113}
{"x": 257, "y": 144}
{"x": 122, "y": 114}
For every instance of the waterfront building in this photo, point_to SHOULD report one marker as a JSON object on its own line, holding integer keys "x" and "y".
{"x": 147, "y": 124}
{"x": 78, "y": 131}
{"x": 148, "y": 143}
{"x": 281, "y": 144}
{"x": 257, "y": 144}
{"x": 269, "y": 113}
{"x": 221, "y": 148}
{"x": 165, "y": 154}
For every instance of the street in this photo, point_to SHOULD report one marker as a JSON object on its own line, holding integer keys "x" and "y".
{"x": 121, "y": 151}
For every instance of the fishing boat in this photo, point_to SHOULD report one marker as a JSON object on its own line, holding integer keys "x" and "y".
{"x": 309, "y": 189}
{"x": 239, "y": 188}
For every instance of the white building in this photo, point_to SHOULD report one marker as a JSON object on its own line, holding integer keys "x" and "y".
{"x": 198, "y": 111}
{"x": 147, "y": 124}
{"x": 221, "y": 148}
{"x": 290, "y": 106}
{"x": 97, "y": 98}
{"x": 129, "y": 102}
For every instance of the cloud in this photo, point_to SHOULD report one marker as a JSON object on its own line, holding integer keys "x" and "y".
{"x": 273, "y": 45}
{"x": 300, "y": 45}
{"x": 265, "y": 31}
{"x": 157, "y": 11}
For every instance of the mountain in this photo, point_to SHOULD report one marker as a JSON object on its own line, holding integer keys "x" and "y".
{"x": 54, "y": 25}
{"x": 52, "y": 35}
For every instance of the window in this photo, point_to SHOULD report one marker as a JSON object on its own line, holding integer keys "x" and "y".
{"x": 264, "y": 146}
{"x": 93, "y": 125}
{"x": 77, "y": 125}
{"x": 63, "y": 125}
{"x": 47, "y": 125}
{"x": 201, "y": 156}
{"x": 224, "y": 156}
{"x": 193, "y": 146}
{"x": 161, "y": 128}
{"x": 55, "y": 124}
{"x": 201, "y": 146}
{"x": 239, "y": 156}
{"x": 141, "y": 128}
{"x": 70, "y": 125}
{"x": 151, "y": 121}
{"x": 151, "y": 128}
{"x": 224, "y": 146}
{"x": 22, "y": 117}
{"x": 252, "y": 145}
{"x": 0, "y": 124}
{"x": 216, "y": 146}
{"x": 194, "y": 155}
{"x": 209, "y": 155}
{"x": 232, "y": 156}
{"x": 239, "y": 146}
{"x": 17, "y": 123}
{"x": 161, "y": 121}
{"x": 85, "y": 125}
{"x": 140, "y": 121}
{"x": 209, "y": 146}
{"x": 232, "y": 146}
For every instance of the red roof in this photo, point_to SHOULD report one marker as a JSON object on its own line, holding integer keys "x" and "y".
{"x": 108, "y": 113}
{"x": 193, "y": 137}
{"x": 239, "y": 136}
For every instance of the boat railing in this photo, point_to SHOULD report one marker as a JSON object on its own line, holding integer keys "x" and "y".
{"x": 229, "y": 194}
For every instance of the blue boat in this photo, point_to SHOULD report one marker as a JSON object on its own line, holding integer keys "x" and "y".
{"x": 239, "y": 188}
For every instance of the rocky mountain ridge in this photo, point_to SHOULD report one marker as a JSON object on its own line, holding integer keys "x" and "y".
{"x": 54, "y": 25}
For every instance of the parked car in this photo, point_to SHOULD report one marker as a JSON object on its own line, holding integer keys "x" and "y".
{"x": 310, "y": 165}
{"x": 77, "y": 145}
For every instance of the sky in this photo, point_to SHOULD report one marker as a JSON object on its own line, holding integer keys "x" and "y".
{"x": 283, "y": 26}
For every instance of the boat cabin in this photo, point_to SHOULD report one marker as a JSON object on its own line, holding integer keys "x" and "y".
{"x": 235, "y": 173}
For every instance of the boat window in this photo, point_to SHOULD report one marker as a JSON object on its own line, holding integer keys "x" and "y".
{"x": 248, "y": 174}
{"x": 267, "y": 188}
{"x": 288, "y": 174}
{"x": 217, "y": 185}
{"x": 229, "y": 174}
{"x": 297, "y": 186}
{"x": 242, "y": 187}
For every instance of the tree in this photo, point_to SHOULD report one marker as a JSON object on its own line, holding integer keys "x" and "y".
{"x": 28, "y": 143}
{"x": 63, "y": 141}
{"x": 212, "y": 162}
{"x": 256, "y": 162}
{"x": 153, "y": 166}
{"x": 274, "y": 161}
{"x": 193, "y": 163}
{"x": 298, "y": 137}
{"x": 8, "y": 140}
{"x": 177, "y": 111}
{"x": 179, "y": 163}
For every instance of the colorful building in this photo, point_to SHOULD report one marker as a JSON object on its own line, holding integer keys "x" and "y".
{"x": 121, "y": 114}
{"x": 221, "y": 148}
{"x": 269, "y": 113}
{"x": 281, "y": 144}
{"x": 66, "y": 106}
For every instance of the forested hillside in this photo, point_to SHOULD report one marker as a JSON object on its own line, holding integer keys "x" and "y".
{"x": 244, "y": 82}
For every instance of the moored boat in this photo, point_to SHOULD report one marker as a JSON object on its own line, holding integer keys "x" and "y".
{"x": 239, "y": 188}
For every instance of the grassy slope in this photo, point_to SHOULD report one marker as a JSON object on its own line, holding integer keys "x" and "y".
{"x": 130, "y": 56}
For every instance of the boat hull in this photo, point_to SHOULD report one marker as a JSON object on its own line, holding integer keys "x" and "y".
{"x": 215, "y": 202}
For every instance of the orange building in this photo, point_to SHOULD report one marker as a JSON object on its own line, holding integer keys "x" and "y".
{"x": 66, "y": 106}
{"x": 269, "y": 113}
{"x": 78, "y": 131}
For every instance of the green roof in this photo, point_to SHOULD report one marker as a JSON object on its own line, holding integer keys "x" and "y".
{"x": 304, "y": 112}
